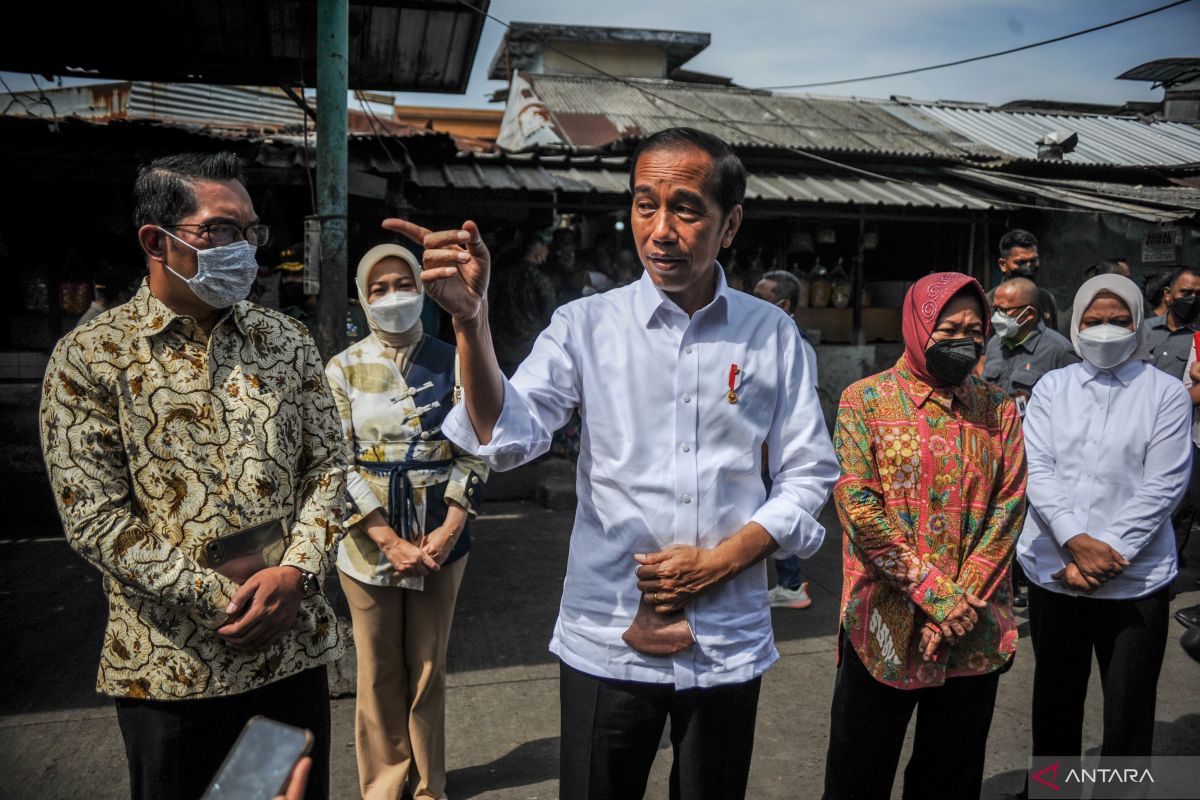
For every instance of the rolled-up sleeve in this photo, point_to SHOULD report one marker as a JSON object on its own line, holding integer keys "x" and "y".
{"x": 537, "y": 402}
{"x": 800, "y": 458}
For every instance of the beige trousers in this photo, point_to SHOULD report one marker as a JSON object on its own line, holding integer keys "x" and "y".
{"x": 400, "y": 716}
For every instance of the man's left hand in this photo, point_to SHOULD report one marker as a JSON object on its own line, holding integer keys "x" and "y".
{"x": 264, "y": 608}
{"x": 671, "y": 578}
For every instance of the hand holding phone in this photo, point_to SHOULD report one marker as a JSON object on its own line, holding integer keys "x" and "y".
{"x": 261, "y": 761}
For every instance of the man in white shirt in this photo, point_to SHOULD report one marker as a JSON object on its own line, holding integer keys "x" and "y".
{"x": 679, "y": 380}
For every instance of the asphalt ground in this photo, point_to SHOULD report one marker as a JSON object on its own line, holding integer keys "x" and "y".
{"x": 58, "y": 739}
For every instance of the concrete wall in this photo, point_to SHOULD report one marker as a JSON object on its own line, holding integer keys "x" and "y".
{"x": 839, "y": 365}
{"x": 628, "y": 61}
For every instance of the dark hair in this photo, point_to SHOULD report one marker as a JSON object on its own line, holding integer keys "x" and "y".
{"x": 1107, "y": 267}
{"x": 728, "y": 180}
{"x": 163, "y": 193}
{"x": 1017, "y": 238}
{"x": 1177, "y": 274}
{"x": 1154, "y": 287}
{"x": 787, "y": 287}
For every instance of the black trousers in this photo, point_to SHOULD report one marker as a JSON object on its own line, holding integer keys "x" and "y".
{"x": 867, "y": 728}
{"x": 611, "y": 730}
{"x": 1128, "y": 638}
{"x": 175, "y": 747}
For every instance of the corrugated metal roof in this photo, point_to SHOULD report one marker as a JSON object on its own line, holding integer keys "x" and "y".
{"x": 593, "y": 112}
{"x": 1116, "y": 141}
{"x": 1150, "y": 203}
{"x": 611, "y": 176}
{"x": 247, "y": 105}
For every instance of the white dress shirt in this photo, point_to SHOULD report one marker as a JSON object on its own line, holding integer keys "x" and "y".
{"x": 1110, "y": 455}
{"x": 666, "y": 459}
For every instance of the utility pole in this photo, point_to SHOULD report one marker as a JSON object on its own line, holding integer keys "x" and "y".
{"x": 333, "y": 82}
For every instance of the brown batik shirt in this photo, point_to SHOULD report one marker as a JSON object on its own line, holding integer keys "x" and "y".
{"x": 159, "y": 438}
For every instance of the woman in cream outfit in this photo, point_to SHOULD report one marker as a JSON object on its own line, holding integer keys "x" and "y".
{"x": 412, "y": 493}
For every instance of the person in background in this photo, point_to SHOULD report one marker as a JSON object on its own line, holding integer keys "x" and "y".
{"x": 1019, "y": 259}
{"x": 1109, "y": 447}
{"x": 1190, "y": 615}
{"x": 112, "y": 287}
{"x": 1110, "y": 266}
{"x": 412, "y": 494}
{"x": 1022, "y": 351}
{"x": 1155, "y": 292}
{"x": 781, "y": 289}
{"x": 931, "y": 499}
{"x": 1170, "y": 339}
{"x": 169, "y": 422}
{"x": 522, "y": 298}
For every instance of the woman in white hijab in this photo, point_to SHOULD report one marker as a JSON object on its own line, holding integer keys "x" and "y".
{"x": 411, "y": 495}
{"x": 1109, "y": 450}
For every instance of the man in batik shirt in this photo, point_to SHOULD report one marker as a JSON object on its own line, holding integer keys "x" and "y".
{"x": 179, "y": 417}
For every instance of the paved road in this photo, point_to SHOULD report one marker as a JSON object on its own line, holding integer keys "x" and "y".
{"x": 60, "y": 740}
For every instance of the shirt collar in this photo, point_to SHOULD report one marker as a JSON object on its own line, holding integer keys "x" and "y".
{"x": 1125, "y": 373}
{"x": 1030, "y": 341}
{"x": 919, "y": 391}
{"x": 153, "y": 316}
{"x": 650, "y": 299}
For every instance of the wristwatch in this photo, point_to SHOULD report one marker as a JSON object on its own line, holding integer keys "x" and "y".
{"x": 309, "y": 583}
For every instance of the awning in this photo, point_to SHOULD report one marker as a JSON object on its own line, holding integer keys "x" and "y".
{"x": 483, "y": 172}
{"x": 1149, "y": 203}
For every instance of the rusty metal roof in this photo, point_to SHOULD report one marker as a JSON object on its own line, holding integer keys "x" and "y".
{"x": 396, "y": 45}
{"x": 611, "y": 176}
{"x": 1103, "y": 140}
{"x": 524, "y": 42}
{"x": 592, "y": 112}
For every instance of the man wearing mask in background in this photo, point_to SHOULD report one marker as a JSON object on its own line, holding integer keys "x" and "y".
{"x": 1019, "y": 259}
{"x": 1021, "y": 352}
{"x": 182, "y": 416}
{"x": 1170, "y": 338}
{"x": 781, "y": 289}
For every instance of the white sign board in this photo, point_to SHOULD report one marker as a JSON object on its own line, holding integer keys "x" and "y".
{"x": 1158, "y": 247}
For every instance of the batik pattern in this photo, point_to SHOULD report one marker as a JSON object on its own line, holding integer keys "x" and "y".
{"x": 159, "y": 438}
{"x": 931, "y": 500}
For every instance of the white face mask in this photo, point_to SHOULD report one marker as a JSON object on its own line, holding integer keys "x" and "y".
{"x": 1006, "y": 327}
{"x": 224, "y": 274}
{"x": 398, "y": 311}
{"x": 1107, "y": 346}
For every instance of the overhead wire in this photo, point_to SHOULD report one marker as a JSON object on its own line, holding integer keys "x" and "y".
{"x": 984, "y": 57}
{"x": 754, "y": 137}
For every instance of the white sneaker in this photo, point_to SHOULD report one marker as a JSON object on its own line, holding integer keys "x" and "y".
{"x": 782, "y": 597}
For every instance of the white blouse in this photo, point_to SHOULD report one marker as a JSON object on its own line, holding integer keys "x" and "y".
{"x": 1110, "y": 455}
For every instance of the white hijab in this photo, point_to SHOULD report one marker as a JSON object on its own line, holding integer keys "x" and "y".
{"x": 1123, "y": 288}
{"x": 362, "y": 280}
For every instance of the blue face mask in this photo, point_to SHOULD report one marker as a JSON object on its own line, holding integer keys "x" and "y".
{"x": 224, "y": 275}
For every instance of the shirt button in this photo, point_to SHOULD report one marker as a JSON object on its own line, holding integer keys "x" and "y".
{"x": 687, "y": 398}
{"x": 687, "y": 498}
{"x": 688, "y": 350}
{"x": 687, "y": 448}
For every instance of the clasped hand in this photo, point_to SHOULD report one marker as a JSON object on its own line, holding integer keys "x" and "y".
{"x": 671, "y": 578}
{"x": 958, "y": 623}
{"x": 1092, "y": 563}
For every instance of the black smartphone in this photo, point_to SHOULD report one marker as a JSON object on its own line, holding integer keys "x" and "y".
{"x": 262, "y": 759}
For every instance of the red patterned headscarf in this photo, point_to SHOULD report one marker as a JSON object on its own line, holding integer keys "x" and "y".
{"x": 923, "y": 305}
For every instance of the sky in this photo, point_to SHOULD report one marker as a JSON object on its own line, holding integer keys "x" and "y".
{"x": 772, "y": 42}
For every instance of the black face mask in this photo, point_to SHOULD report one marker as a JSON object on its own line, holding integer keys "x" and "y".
{"x": 951, "y": 360}
{"x": 1024, "y": 271}
{"x": 1184, "y": 308}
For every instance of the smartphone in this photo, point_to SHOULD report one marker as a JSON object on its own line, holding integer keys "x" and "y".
{"x": 262, "y": 759}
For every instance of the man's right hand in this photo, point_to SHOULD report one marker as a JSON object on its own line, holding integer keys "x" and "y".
{"x": 1096, "y": 559}
{"x": 408, "y": 559}
{"x": 456, "y": 266}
